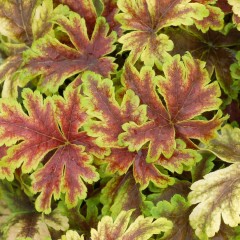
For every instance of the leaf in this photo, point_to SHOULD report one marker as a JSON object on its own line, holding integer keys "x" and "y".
{"x": 227, "y": 145}
{"x": 72, "y": 235}
{"x": 120, "y": 160}
{"x": 121, "y": 193}
{"x": 85, "y": 8}
{"x": 46, "y": 128}
{"x": 236, "y": 12}
{"x": 146, "y": 18}
{"x": 182, "y": 94}
{"x": 55, "y": 61}
{"x": 177, "y": 211}
{"x": 28, "y": 21}
{"x": 16, "y": 19}
{"x": 215, "y": 19}
{"x": 223, "y": 186}
{"x": 141, "y": 229}
{"x": 41, "y": 24}
{"x": 22, "y": 221}
{"x": 203, "y": 167}
{"x": 215, "y": 200}
{"x": 211, "y": 47}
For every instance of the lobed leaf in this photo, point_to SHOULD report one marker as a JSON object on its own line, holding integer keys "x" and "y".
{"x": 187, "y": 94}
{"x": 215, "y": 198}
{"x": 177, "y": 211}
{"x": 146, "y": 18}
{"x": 209, "y": 47}
{"x": 46, "y": 129}
{"x": 141, "y": 229}
{"x": 55, "y": 61}
{"x": 215, "y": 19}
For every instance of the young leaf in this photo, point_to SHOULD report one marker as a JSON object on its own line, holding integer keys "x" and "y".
{"x": 213, "y": 48}
{"x": 141, "y": 229}
{"x": 121, "y": 193}
{"x": 236, "y": 12}
{"x": 55, "y": 61}
{"x": 187, "y": 93}
{"x": 72, "y": 235}
{"x": 47, "y": 128}
{"x": 216, "y": 199}
{"x": 227, "y": 145}
{"x": 146, "y": 18}
{"x": 177, "y": 211}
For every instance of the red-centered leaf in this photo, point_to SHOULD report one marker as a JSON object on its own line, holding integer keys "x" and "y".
{"x": 211, "y": 47}
{"x": 120, "y": 160}
{"x": 187, "y": 93}
{"x": 52, "y": 124}
{"x": 55, "y": 61}
{"x": 146, "y": 18}
{"x": 215, "y": 19}
{"x": 85, "y": 8}
{"x": 121, "y": 193}
{"x": 141, "y": 228}
{"x": 110, "y": 116}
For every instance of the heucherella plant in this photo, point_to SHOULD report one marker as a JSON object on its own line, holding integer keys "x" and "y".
{"x": 119, "y": 119}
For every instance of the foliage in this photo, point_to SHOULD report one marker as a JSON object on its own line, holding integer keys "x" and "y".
{"x": 119, "y": 119}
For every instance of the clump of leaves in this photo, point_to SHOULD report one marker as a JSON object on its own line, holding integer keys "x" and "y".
{"x": 119, "y": 119}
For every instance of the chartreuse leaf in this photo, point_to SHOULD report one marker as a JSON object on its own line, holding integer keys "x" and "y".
{"x": 20, "y": 220}
{"x": 145, "y": 19}
{"x": 236, "y": 12}
{"x": 217, "y": 194}
{"x": 72, "y": 235}
{"x": 45, "y": 131}
{"x": 141, "y": 229}
{"x": 55, "y": 61}
{"x": 211, "y": 47}
{"x": 177, "y": 210}
{"x": 187, "y": 92}
{"x": 215, "y": 19}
